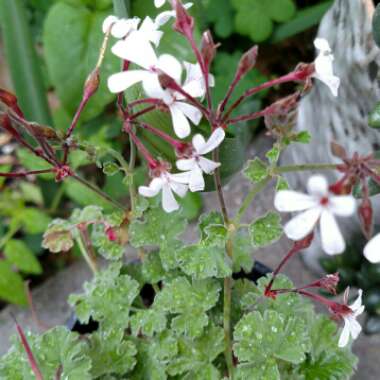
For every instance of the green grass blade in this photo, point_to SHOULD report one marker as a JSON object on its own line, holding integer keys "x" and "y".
{"x": 23, "y": 62}
{"x": 121, "y": 8}
{"x": 304, "y": 19}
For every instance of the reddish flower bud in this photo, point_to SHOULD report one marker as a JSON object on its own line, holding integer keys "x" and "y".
{"x": 338, "y": 150}
{"x": 62, "y": 172}
{"x": 304, "y": 71}
{"x": 247, "y": 62}
{"x": 184, "y": 23}
{"x": 10, "y": 100}
{"x": 329, "y": 283}
{"x": 92, "y": 84}
{"x": 304, "y": 243}
{"x": 111, "y": 234}
{"x": 208, "y": 48}
{"x": 366, "y": 217}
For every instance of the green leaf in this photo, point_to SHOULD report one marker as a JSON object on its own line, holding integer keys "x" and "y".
{"x": 282, "y": 184}
{"x": 58, "y": 237}
{"x": 374, "y": 116}
{"x": 271, "y": 334}
{"x": 156, "y": 228}
{"x": 110, "y": 250}
{"x": 243, "y": 256}
{"x": 24, "y": 65}
{"x": 89, "y": 214}
{"x": 256, "y": 170}
{"x": 18, "y": 254}
{"x": 152, "y": 269}
{"x": 111, "y": 353}
{"x": 107, "y": 298}
{"x": 12, "y": 287}
{"x": 267, "y": 370}
{"x": 376, "y": 25}
{"x": 34, "y": 221}
{"x": 148, "y": 322}
{"x": 75, "y": 55}
{"x": 266, "y": 230}
{"x": 54, "y": 349}
{"x": 110, "y": 168}
{"x": 31, "y": 193}
{"x": 304, "y": 19}
{"x": 303, "y": 137}
{"x": 31, "y": 162}
{"x": 220, "y": 13}
{"x": 191, "y": 205}
{"x": 280, "y": 10}
{"x": 201, "y": 261}
{"x": 180, "y": 297}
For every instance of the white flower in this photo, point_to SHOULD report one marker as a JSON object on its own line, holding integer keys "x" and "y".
{"x": 120, "y": 27}
{"x": 197, "y": 164}
{"x": 138, "y": 50}
{"x": 159, "y": 3}
{"x": 163, "y": 17}
{"x": 318, "y": 205}
{"x": 167, "y": 183}
{"x": 372, "y": 250}
{"x": 351, "y": 325}
{"x": 324, "y": 66}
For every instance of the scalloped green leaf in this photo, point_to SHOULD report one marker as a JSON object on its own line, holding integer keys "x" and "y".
{"x": 265, "y": 230}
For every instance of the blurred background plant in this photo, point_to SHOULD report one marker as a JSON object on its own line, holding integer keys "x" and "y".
{"x": 50, "y": 46}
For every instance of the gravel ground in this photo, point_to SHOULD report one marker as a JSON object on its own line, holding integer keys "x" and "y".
{"x": 50, "y": 298}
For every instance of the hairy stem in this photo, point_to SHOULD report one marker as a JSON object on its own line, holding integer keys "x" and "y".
{"x": 305, "y": 167}
{"x": 228, "y": 281}
{"x": 96, "y": 190}
{"x": 85, "y": 248}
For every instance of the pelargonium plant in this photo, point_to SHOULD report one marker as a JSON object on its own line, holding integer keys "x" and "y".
{"x": 193, "y": 311}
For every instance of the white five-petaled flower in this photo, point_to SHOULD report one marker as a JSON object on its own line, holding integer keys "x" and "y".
{"x": 324, "y": 66}
{"x": 372, "y": 250}
{"x": 196, "y": 164}
{"x": 122, "y": 28}
{"x": 168, "y": 184}
{"x": 138, "y": 50}
{"x": 351, "y": 325}
{"x": 319, "y": 205}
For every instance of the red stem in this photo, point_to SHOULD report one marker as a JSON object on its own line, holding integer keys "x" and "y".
{"x": 142, "y": 112}
{"x": 172, "y": 141}
{"x": 24, "y": 174}
{"x": 144, "y": 152}
{"x": 291, "y": 77}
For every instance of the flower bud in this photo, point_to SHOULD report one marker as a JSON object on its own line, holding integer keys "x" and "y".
{"x": 366, "y": 217}
{"x": 329, "y": 283}
{"x": 62, "y": 172}
{"x": 184, "y": 23}
{"x": 247, "y": 62}
{"x": 304, "y": 243}
{"x": 111, "y": 234}
{"x": 208, "y": 48}
{"x": 92, "y": 84}
{"x": 10, "y": 100}
{"x": 338, "y": 150}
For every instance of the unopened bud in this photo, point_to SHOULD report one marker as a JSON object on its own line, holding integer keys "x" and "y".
{"x": 5, "y": 123}
{"x": 62, "y": 172}
{"x": 338, "y": 150}
{"x": 92, "y": 84}
{"x": 304, "y": 71}
{"x": 184, "y": 23}
{"x": 111, "y": 234}
{"x": 366, "y": 217}
{"x": 208, "y": 48}
{"x": 10, "y": 100}
{"x": 329, "y": 283}
{"x": 247, "y": 62}
{"x": 304, "y": 243}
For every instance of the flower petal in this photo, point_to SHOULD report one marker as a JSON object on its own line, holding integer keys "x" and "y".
{"x": 152, "y": 87}
{"x": 193, "y": 113}
{"x": 343, "y": 205}
{"x": 124, "y": 26}
{"x": 355, "y": 327}
{"x": 372, "y": 250}
{"x": 303, "y": 224}
{"x": 159, "y": 3}
{"x": 198, "y": 142}
{"x": 171, "y": 66}
{"x": 108, "y": 22}
{"x": 148, "y": 30}
{"x": 153, "y": 189}
{"x": 290, "y": 201}
{"x": 169, "y": 203}
{"x": 121, "y": 81}
{"x": 137, "y": 49}
{"x": 180, "y": 124}
{"x": 332, "y": 239}
{"x": 322, "y": 44}
{"x": 345, "y": 334}
{"x": 179, "y": 177}
{"x": 207, "y": 165}
{"x": 196, "y": 180}
{"x": 213, "y": 142}
{"x": 186, "y": 164}
{"x": 358, "y": 302}
{"x": 318, "y": 186}
{"x": 163, "y": 17}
